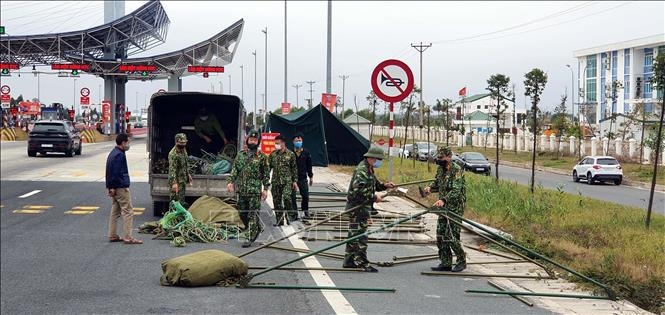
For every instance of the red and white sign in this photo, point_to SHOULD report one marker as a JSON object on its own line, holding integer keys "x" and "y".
{"x": 85, "y": 100}
{"x": 286, "y": 108}
{"x": 268, "y": 142}
{"x": 381, "y": 141}
{"x": 329, "y": 101}
{"x": 85, "y": 92}
{"x": 392, "y": 80}
{"x": 4, "y": 90}
{"x": 106, "y": 110}
{"x": 30, "y": 108}
{"x": 462, "y": 92}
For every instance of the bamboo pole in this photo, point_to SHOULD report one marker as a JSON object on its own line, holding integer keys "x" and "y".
{"x": 572, "y": 296}
{"x": 313, "y": 268}
{"x": 519, "y": 298}
{"x": 485, "y": 275}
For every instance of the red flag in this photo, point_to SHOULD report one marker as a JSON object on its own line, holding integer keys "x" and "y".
{"x": 462, "y": 92}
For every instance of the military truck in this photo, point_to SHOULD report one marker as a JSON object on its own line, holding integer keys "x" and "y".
{"x": 170, "y": 113}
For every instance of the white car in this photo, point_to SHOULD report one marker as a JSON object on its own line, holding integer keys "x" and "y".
{"x": 598, "y": 168}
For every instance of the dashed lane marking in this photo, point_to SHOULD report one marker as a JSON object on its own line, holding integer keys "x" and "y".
{"x": 28, "y": 211}
{"x": 82, "y": 210}
{"x": 32, "y": 209}
{"x": 138, "y": 211}
{"x": 85, "y": 208}
{"x": 34, "y": 192}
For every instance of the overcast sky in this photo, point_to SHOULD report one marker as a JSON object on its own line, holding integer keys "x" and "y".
{"x": 470, "y": 42}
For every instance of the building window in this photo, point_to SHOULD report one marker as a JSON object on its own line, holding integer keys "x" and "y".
{"x": 486, "y": 106}
{"x": 626, "y": 87}
{"x": 591, "y": 66}
{"x": 591, "y": 90}
{"x": 648, "y": 60}
{"x": 477, "y": 106}
{"x": 615, "y": 59}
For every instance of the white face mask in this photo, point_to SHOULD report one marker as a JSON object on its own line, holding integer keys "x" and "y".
{"x": 278, "y": 146}
{"x": 204, "y": 118}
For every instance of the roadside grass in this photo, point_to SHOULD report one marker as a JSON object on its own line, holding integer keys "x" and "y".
{"x": 603, "y": 240}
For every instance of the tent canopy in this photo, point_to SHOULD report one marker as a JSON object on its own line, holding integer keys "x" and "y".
{"x": 328, "y": 139}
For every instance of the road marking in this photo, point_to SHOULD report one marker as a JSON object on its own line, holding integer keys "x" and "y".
{"x": 34, "y": 192}
{"x": 85, "y": 208}
{"x": 336, "y": 300}
{"x": 138, "y": 211}
{"x": 28, "y": 211}
{"x": 79, "y": 212}
{"x": 37, "y": 207}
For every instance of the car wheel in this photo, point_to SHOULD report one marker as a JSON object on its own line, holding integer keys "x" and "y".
{"x": 575, "y": 178}
{"x": 78, "y": 152}
{"x": 589, "y": 178}
{"x": 617, "y": 182}
{"x": 32, "y": 153}
{"x": 70, "y": 153}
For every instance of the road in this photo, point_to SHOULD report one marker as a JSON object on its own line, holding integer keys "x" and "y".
{"x": 57, "y": 261}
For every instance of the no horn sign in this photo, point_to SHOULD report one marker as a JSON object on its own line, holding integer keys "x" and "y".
{"x": 392, "y": 80}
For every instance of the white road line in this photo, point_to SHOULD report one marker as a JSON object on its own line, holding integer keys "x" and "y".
{"x": 336, "y": 300}
{"x": 34, "y": 192}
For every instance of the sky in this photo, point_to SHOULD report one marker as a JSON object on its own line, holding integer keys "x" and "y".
{"x": 470, "y": 42}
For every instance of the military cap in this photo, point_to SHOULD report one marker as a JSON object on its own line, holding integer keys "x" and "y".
{"x": 254, "y": 134}
{"x": 375, "y": 152}
{"x": 181, "y": 137}
{"x": 444, "y": 151}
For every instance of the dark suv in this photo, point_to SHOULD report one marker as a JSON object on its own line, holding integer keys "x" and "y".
{"x": 54, "y": 136}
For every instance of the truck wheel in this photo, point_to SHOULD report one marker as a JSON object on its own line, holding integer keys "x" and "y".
{"x": 159, "y": 208}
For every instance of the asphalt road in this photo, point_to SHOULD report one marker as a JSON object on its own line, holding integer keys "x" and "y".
{"x": 56, "y": 262}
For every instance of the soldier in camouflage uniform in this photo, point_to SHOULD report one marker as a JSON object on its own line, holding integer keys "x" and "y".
{"x": 179, "y": 169}
{"x": 362, "y": 189}
{"x": 282, "y": 162}
{"x": 250, "y": 172}
{"x": 450, "y": 184}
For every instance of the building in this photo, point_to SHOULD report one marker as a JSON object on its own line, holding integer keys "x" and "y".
{"x": 615, "y": 78}
{"x": 360, "y": 124}
{"x": 474, "y": 111}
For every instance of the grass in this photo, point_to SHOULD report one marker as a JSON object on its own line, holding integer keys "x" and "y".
{"x": 603, "y": 240}
{"x": 631, "y": 171}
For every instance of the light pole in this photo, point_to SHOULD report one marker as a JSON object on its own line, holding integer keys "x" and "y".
{"x": 100, "y": 94}
{"x": 242, "y": 85}
{"x": 220, "y": 87}
{"x": 255, "y": 112}
{"x": 137, "y": 102}
{"x": 36, "y": 74}
{"x": 229, "y": 84}
{"x": 265, "y": 86}
{"x": 74, "y": 95}
{"x": 343, "y": 77}
{"x": 297, "y": 86}
{"x": 572, "y": 91}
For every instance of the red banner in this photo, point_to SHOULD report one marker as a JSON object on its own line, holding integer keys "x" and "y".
{"x": 462, "y": 92}
{"x": 328, "y": 101}
{"x": 286, "y": 108}
{"x": 268, "y": 142}
{"x": 106, "y": 111}
{"x": 30, "y": 108}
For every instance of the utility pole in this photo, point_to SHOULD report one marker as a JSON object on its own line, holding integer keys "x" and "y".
{"x": 229, "y": 85}
{"x": 242, "y": 85}
{"x": 311, "y": 90}
{"x": 297, "y": 86}
{"x": 329, "y": 52}
{"x": 285, "y": 59}
{"x": 255, "y": 112}
{"x": 343, "y": 77}
{"x": 421, "y": 48}
{"x": 265, "y": 86}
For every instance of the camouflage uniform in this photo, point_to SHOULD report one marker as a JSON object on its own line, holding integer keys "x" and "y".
{"x": 452, "y": 190}
{"x": 361, "y": 189}
{"x": 249, "y": 172}
{"x": 284, "y": 174}
{"x": 178, "y": 170}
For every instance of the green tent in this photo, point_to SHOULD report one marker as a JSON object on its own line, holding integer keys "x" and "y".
{"x": 330, "y": 140}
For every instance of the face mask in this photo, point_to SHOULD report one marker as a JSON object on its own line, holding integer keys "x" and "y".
{"x": 180, "y": 146}
{"x": 443, "y": 163}
{"x": 377, "y": 163}
{"x": 278, "y": 146}
{"x": 204, "y": 118}
{"x": 297, "y": 144}
{"x": 252, "y": 146}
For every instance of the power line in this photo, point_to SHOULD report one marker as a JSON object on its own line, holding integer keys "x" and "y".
{"x": 71, "y": 18}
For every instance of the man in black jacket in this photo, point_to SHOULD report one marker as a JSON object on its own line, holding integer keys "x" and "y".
{"x": 304, "y": 165}
{"x": 117, "y": 186}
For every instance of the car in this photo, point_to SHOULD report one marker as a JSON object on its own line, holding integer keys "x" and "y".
{"x": 139, "y": 125}
{"x": 54, "y": 136}
{"x": 423, "y": 151}
{"x": 474, "y": 162}
{"x": 406, "y": 150}
{"x": 598, "y": 169}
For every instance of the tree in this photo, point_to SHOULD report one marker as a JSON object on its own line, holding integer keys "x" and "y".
{"x": 560, "y": 121}
{"x": 658, "y": 81}
{"x": 348, "y": 112}
{"x": 534, "y": 84}
{"x": 497, "y": 85}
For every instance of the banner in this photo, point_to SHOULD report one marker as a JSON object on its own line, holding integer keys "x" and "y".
{"x": 462, "y": 92}
{"x": 106, "y": 111}
{"x": 286, "y": 108}
{"x": 328, "y": 101}
{"x": 268, "y": 142}
{"x": 30, "y": 108}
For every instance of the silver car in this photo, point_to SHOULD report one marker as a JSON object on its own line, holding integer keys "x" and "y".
{"x": 424, "y": 150}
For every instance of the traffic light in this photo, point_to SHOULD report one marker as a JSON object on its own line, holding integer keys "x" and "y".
{"x": 71, "y": 114}
{"x": 75, "y": 72}
{"x": 127, "y": 115}
{"x": 205, "y": 74}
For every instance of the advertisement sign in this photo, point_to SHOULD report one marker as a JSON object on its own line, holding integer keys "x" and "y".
{"x": 328, "y": 101}
{"x": 268, "y": 142}
{"x": 30, "y": 108}
{"x": 286, "y": 108}
{"x": 85, "y": 100}
{"x": 106, "y": 111}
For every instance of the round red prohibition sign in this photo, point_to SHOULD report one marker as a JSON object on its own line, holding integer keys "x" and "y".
{"x": 85, "y": 91}
{"x": 5, "y": 89}
{"x": 392, "y": 80}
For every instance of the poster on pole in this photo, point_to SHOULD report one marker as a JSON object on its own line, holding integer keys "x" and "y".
{"x": 328, "y": 101}
{"x": 286, "y": 108}
{"x": 106, "y": 111}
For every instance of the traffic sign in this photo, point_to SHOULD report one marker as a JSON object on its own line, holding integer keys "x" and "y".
{"x": 392, "y": 80}
{"x": 85, "y": 91}
{"x": 85, "y": 100}
{"x": 5, "y": 89}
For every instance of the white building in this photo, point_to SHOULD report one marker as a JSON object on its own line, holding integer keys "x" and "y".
{"x": 359, "y": 124}
{"x": 469, "y": 110}
{"x": 615, "y": 78}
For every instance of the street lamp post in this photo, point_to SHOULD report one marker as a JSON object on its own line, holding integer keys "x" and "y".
{"x": 255, "y": 112}
{"x": 229, "y": 84}
{"x": 297, "y": 86}
{"x": 74, "y": 95}
{"x": 242, "y": 84}
{"x": 572, "y": 91}
{"x": 265, "y": 87}
{"x": 220, "y": 87}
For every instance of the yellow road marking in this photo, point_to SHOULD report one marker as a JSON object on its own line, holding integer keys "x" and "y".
{"x": 139, "y": 209}
{"x": 28, "y": 211}
{"x": 79, "y": 212}
{"x": 85, "y": 208}
{"x": 37, "y": 207}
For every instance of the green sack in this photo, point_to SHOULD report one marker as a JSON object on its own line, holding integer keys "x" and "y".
{"x": 219, "y": 168}
{"x": 208, "y": 209}
{"x": 202, "y": 268}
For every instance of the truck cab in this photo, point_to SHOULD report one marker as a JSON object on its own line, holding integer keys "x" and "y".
{"x": 170, "y": 113}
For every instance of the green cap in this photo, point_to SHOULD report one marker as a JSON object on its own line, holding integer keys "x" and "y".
{"x": 253, "y": 134}
{"x": 444, "y": 151}
{"x": 181, "y": 137}
{"x": 375, "y": 152}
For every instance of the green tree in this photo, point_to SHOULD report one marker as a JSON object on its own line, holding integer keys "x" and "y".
{"x": 560, "y": 121}
{"x": 348, "y": 112}
{"x": 497, "y": 85}
{"x": 658, "y": 81}
{"x": 534, "y": 84}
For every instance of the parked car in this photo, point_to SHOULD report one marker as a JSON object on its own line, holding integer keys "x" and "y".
{"x": 139, "y": 125}
{"x": 406, "y": 150}
{"x": 424, "y": 151}
{"x": 598, "y": 168}
{"x": 474, "y": 162}
{"x": 54, "y": 136}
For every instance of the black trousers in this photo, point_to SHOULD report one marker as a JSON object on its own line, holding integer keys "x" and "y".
{"x": 303, "y": 186}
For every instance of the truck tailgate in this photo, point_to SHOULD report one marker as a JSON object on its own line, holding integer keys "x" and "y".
{"x": 211, "y": 185}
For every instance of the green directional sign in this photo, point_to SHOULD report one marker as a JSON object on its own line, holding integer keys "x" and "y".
{"x": 75, "y": 72}
{"x": 2, "y": 30}
{"x": 5, "y": 71}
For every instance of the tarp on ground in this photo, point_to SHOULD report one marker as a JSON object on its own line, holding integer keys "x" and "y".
{"x": 329, "y": 140}
{"x": 208, "y": 209}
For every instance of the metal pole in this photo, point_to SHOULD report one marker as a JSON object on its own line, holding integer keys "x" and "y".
{"x": 572, "y": 296}
{"x": 344, "y": 77}
{"x": 255, "y": 112}
{"x": 74, "y": 105}
{"x": 311, "y": 90}
{"x": 229, "y": 85}
{"x": 265, "y": 83}
{"x": 242, "y": 84}
{"x": 285, "y": 58}
{"x": 572, "y": 92}
{"x": 297, "y": 86}
{"x": 391, "y": 139}
{"x": 329, "y": 50}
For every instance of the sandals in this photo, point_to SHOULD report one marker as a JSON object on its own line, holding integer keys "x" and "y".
{"x": 115, "y": 239}
{"x": 132, "y": 241}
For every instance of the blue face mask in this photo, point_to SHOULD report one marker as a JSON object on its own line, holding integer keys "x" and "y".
{"x": 377, "y": 163}
{"x": 297, "y": 144}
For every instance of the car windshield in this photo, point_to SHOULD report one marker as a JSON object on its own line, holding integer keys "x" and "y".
{"x": 608, "y": 161}
{"x": 474, "y": 156}
{"x": 49, "y": 127}
{"x": 423, "y": 146}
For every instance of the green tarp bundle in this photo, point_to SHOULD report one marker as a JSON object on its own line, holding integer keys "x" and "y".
{"x": 202, "y": 268}
{"x": 328, "y": 139}
{"x": 208, "y": 209}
